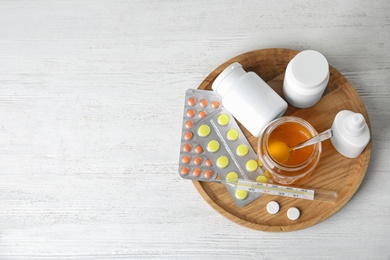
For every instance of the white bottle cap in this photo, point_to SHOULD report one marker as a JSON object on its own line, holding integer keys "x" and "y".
{"x": 228, "y": 76}
{"x": 350, "y": 133}
{"x": 355, "y": 124}
{"x": 309, "y": 69}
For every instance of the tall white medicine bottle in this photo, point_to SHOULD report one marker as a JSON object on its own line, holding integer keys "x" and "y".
{"x": 248, "y": 98}
{"x": 306, "y": 78}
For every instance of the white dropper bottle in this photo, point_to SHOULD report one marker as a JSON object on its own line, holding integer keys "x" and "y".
{"x": 350, "y": 133}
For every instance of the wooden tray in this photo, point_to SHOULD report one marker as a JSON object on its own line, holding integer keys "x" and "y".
{"x": 334, "y": 172}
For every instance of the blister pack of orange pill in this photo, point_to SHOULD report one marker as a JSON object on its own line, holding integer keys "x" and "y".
{"x": 194, "y": 164}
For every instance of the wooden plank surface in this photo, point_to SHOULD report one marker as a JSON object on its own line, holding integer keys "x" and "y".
{"x": 90, "y": 116}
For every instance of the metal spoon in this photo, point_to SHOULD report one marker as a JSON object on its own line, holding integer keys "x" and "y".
{"x": 316, "y": 139}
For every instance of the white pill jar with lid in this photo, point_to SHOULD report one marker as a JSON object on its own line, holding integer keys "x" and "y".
{"x": 248, "y": 98}
{"x": 305, "y": 80}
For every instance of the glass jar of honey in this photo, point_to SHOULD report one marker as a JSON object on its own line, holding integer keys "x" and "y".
{"x": 284, "y": 165}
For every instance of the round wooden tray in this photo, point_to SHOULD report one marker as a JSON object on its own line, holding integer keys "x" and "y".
{"x": 334, "y": 172}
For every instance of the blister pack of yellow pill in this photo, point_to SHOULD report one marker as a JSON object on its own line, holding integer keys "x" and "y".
{"x": 230, "y": 152}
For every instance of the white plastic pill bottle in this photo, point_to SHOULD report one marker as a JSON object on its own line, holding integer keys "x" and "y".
{"x": 305, "y": 80}
{"x": 248, "y": 98}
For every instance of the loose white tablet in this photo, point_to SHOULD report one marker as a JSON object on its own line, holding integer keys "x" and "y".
{"x": 293, "y": 213}
{"x": 273, "y": 207}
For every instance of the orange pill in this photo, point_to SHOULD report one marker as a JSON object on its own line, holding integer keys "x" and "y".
{"x": 208, "y": 163}
{"x": 198, "y": 149}
{"x": 191, "y": 101}
{"x": 197, "y": 172}
{"x": 188, "y": 135}
{"x": 189, "y": 124}
{"x": 202, "y": 114}
{"x": 197, "y": 160}
{"x": 185, "y": 170}
{"x": 215, "y": 104}
{"x": 203, "y": 103}
{"x": 208, "y": 174}
{"x": 186, "y": 159}
{"x": 190, "y": 113}
{"x": 187, "y": 148}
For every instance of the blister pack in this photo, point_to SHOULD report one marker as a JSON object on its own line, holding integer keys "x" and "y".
{"x": 230, "y": 152}
{"x": 193, "y": 162}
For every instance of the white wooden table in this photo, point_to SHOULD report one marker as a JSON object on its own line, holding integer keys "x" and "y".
{"x": 91, "y": 96}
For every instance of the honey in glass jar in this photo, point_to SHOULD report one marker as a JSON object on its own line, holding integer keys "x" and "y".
{"x": 286, "y": 166}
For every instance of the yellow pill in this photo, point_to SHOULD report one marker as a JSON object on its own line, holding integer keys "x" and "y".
{"x": 213, "y": 146}
{"x": 267, "y": 174}
{"x": 251, "y": 165}
{"x": 203, "y": 130}
{"x": 222, "y": 161}
{"x": 262, "y": 179}
{"x": 260, "y": 163}
{"x": 232, "y": 135}
{"x": 242, "y": 150}
{"x": 241, "y": 194}
{"x": 223, "y": 119}
{"x": 232, "y": 177}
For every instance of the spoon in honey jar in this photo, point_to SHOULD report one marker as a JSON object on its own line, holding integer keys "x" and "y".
{"x": 280, "y": 151}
